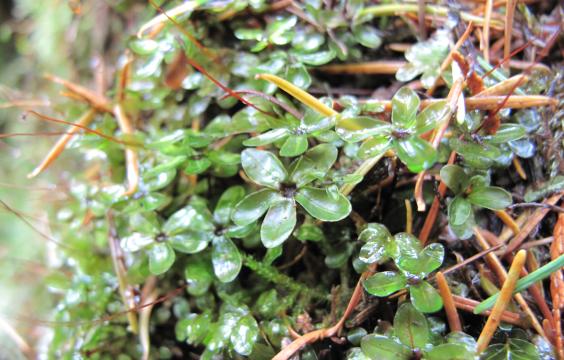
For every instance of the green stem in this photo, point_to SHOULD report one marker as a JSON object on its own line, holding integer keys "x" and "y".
{"x": 363, "y": 169}
{"x": 537, "y": 275}
{"x": 393, "y": 9}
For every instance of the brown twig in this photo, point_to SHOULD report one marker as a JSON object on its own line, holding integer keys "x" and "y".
{"x": 450, "y": 307}
{"x": 501, "y": 303}
{"x": 386, "y": 67}
{"x": 97, "y": 101}
{"x": 557, "y": 286}
{"x": 469, "y": 305}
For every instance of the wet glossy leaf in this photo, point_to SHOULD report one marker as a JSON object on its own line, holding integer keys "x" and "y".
{"x": 424, "y": 262}
{"x": 278, "y": 223}
{"x": 315, "y": 163}
{"x": 411, "y": 327}
{"x": 189, "y": 241}
{"x": 244, "y": 335}
{"x": 464, "y": 230}
{"x": 384, "y": 348}
{"x": 514, "y": 349}
{"x": 425, "y": 298}
{"x": 144, "y": 46}
{"x": 253, "y": 206}
{"x": 199, "y": 276}
{"x": 194, "y": 217}
{"x": 416, "y": 153}
{"x": 405, "y": 104}
{"x": 136, "y": 241}
{"x": 226, "y": 204}
{"x": 298, "y": 75}
{"x": 454, "y": 178}
{"x": 449, "y": 352}
{"x": 431, "y": 116}
{"x": 378, "y": 243}
{"x": 553, "y": 185}
{"x": 359, "y": 128}
{"x": 226, "y": 259}
{"x": 267, "y": 138}
{"x": 316, "y": 58}
{"x": 322, "y": 205}
{"x": 166, "y": 165}
{"x": 408, "y": 246}
{"x": 294, "y": 146}
{"x": 385, "y": 283}
{"x": 490, "y": 197}
{"x": 263, "y": 167}
{"x": 197, "y": 328}
{"x": 459, "y": 210}
{"x": 367, "y": 36}
{"x": 524, "y": 147}
{"x": 375, "y": 146}
{"x": 161, "y": 258}
{"x": 507, "y": 132}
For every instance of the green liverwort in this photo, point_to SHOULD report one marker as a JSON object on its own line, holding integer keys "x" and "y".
{"x": 413, "y": 261}
{"x": 286, "y": 186}
{"x": 402, "y": 134}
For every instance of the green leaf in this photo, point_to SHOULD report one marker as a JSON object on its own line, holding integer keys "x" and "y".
{"x": 199, "y": 276}
{"x": 459, "y": 210}
{"x": 197, "y": 166}
{"x": 294, "y": 146}
{"x": 226, "y": 259}
{"x": 405, "y": 104}
{"x": 226, "y": 204}
{"x": 253, "y": 206}
{"x": 298, "y": 75}
{"x": 189, "y": 241}
{"x": 479, "y": 156}
{"x": 425, "y": 298}
{"x": 490, "y": 197}
{"x": 278, "y": 223}
{"x": 144, "y": 46}
{"x": 375, "y": 146}
{"x": 324, "y": 205}
{"x": 161, "y": 258}
{"x": 359, "y": 128}
{"x": 514, "y": 349}
{"x": 408, "y": 246}
{"x": 385, "y": 283}
{"x": 314, "y": 164}
{"x": 383, "y": 348}
{"x": 449, "y": 352}
{"x": 465, "y": 230}
{"x": 429, "y": 118}
{"x": 244, "y": 335}
{"x": 367, "y": 36}
{"x": 416, "y": 153}
{"x": 194, "y": 217}
{"x": 197, "y": 328}
{"x": 506, "y": 133}
{"x": 410, "y": 326}
{"x": 263, "y": 167}
{"x": 425, "y": 262}
{"x": 267, "y": 138}
{"x": 379, "y": 243}
{"x": 317, "y": 58}
{"x": 454, "y": 178}
{"x": 136, "y": 241}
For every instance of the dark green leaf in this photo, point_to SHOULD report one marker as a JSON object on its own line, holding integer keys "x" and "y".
{"x": 367, "y": 36}
{"x": 385, "y": 283}
{"x": 189, "y": 241}
{"x": 267, "y": 138}
{"x": 226, "y": 204}
{"x": 416, "y": 153}
{"x": 199, "y": 276}
{"x": 490, "y": 197}
{"x": 375, "y": 146}
{"x": 278, "y": 223}
{"x": 553, "y": 185}
{"x": 244, "y": 335}
{"x": 411, "y": 327}
{"x": 449, "y": 352}
{"x": 431, "y": 116}
{"x": 315, "y": 163}
{"x": 263, "y": 167}
{"x": 514, "y": 349}
{"x": 317, "y": 58}
{"x": 195, "y": 217}
{"x": 425, "y": 262}
{"x": 294, "y": 146}
{"x": 359, "y": 128}
{"x": 197, "y": 166}
{"x": 253, "y": 206}
{"x": 383, "y": 348}
{"x": 197, "y": 327}
{"x": 405, "y": 104}
{"x": 226, "y": 259}
{"x": 322, "y": 204}
{"x": 161, "y": 258}
{"x": 506, "y": 133}
{"x": 479, "y": 156}
{"x": 378, "y": 243}
{"x": 425, "y": 298}
{"x": 459, "y": 210}
{"x": 454, "y": 178}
